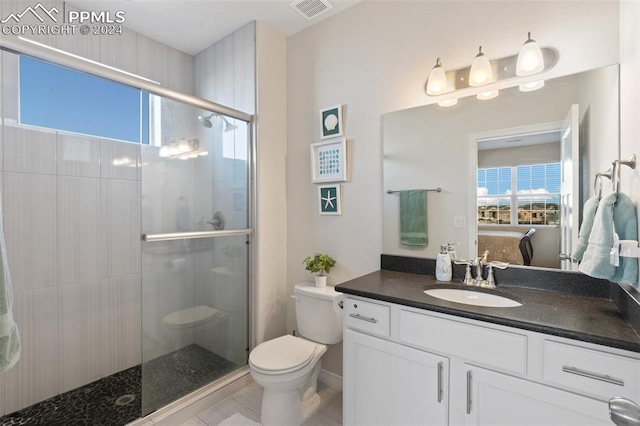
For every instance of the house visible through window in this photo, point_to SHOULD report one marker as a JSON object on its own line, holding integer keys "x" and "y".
{"x": 523, "y": 195}
{"x": 59, "y": 98}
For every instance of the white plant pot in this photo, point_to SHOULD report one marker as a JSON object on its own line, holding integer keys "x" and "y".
{"x": 321, "y": 282}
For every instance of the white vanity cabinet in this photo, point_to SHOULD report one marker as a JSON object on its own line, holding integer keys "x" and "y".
{"x": 391, "y": 384}
{"x": 499, "y": 399}
{"x": 408, "y": 366}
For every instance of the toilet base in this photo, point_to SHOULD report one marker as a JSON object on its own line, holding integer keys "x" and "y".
{"x": 310, "y": 406}
{"x": 291, "y": 407}
{"x": 273, "y": 415}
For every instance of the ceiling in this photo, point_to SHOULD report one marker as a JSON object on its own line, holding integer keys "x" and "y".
{"x": 514, "y": 141}
{"x": 193, "y": 25}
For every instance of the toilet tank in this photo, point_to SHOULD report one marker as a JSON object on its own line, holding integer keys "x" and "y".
{"x": 318, "y": 314}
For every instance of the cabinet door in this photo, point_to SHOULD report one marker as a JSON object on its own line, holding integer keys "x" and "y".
{"x": 386, "y": 383}
{"x": 498, "y": 399}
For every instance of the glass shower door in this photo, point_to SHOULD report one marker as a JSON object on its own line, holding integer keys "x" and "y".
{"x": 195, "y": 251}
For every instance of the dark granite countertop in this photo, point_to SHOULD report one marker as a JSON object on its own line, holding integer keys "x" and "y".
{"x": 591, "y": 319}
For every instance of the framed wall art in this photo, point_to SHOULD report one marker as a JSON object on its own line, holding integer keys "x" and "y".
{"x": 331, "y": 122}
{"x": 329, "y": 161}
{"x": 329, "y": 199}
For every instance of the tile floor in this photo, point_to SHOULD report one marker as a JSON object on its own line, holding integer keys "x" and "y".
{"x": 247, "y": 402}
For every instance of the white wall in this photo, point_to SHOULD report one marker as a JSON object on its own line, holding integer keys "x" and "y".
{"x": 375, "y": 58}
{"x": 629, "y": 95}
{"x": 599, "y": 125}
{"x": 271, "y": 227}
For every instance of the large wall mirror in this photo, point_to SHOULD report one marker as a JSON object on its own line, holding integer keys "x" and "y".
{"x": 519, "y": 164}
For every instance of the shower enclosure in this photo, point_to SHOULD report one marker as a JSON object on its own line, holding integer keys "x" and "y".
{"x": 195, "y": 252}
{"x": 144, "y": 294}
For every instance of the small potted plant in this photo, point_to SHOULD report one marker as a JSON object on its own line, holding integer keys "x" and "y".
{"x": 319, "y": 264}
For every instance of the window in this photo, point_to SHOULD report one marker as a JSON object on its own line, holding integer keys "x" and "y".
{"x": 535, "y": 201}
{"x": 63, "y": 99}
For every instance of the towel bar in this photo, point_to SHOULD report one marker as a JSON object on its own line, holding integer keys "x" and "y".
{"x": 613, "y": 174}
{"x": 389, "y": 191}
{"x": 615, "y": 178}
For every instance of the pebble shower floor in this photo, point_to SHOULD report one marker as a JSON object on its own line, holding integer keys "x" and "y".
{"x": 118, "y": 399}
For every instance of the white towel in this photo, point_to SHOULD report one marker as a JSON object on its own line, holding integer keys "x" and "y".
{"x": 9, "y": 338}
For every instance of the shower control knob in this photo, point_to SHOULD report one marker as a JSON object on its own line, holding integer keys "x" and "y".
{"x": 217, "y": 222}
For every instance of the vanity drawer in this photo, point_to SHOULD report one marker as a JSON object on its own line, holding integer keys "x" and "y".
{"x": 366, "y": 316}
{"x": 590, "y": 371}
{"x": 484, "y": 345}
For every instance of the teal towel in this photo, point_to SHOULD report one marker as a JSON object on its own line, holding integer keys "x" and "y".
{"x": 625, "y": 220}
{"x": 588, "y": 216}
{"x": 9, "y": 338}
{"x": 616, "y": 213}
{"x": 413, "y": 217}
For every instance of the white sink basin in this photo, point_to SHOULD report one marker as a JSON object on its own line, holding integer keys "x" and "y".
{"x": 470, "y": 297}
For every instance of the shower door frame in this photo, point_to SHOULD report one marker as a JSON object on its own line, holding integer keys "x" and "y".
{"x": 36, "y": 50}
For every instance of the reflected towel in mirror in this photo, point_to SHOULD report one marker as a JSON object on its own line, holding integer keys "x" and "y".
{"x": 413, "y": 217}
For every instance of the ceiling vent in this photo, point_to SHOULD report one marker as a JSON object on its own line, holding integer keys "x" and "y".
{"x": 311, "y": 8}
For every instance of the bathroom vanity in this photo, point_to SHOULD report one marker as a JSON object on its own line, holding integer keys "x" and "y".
{"x": 410, "y": 358}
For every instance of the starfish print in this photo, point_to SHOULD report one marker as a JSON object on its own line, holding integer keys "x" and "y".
{"x": 329, "y": 200}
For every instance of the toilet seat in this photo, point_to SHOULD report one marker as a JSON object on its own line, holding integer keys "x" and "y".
{"x": 282, "y": 355}
{"x": 190, "y": 317}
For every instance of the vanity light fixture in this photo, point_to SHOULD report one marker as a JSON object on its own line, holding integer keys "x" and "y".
{"x": 490, "y": 94}
{"x": 530, "y": 87}
{"x": 481, "y": 72}
{"x": 437, "y": 83}
{"x": 448, "y": 102}
{"x": 183, "y": 149}
{"x": 530, "y": 61}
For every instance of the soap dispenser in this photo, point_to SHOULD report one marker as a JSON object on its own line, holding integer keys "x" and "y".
{"x": 452, "y": 251}
{"x": 443, "y": 265}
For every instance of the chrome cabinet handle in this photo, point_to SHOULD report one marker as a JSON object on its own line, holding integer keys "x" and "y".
{"x": 469, "y": 392}
{"x": 624, "y": 412}
{"x": 591, "y": 375}
{"x": 360, "y": 317}
{"x": 440, "y": 366}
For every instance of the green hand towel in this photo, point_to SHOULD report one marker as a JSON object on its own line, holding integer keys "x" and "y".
{"x": 413, "y": 217}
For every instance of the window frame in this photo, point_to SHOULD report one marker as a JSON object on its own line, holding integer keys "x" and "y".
{"x": 513, "y": 197}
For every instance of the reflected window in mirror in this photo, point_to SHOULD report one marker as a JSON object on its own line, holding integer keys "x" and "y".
{"x": 535, "y": 201}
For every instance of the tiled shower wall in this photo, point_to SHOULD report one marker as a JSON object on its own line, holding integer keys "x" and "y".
{"x": 72, "y": 223}
{"x": 225, "y": 72}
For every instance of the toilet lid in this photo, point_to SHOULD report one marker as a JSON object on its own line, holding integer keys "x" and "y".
{"x": 283, "y": 354}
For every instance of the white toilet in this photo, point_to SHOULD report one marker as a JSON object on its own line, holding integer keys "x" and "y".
{"x": 287, "y": 367}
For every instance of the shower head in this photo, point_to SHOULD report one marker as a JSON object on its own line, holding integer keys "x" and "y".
{"x": 228, "y": 126}
{"x": 206, "y": 121}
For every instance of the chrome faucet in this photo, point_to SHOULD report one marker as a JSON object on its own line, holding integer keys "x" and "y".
{"x": 479, "y": 279}
{"x": 468, "y": 277}
{"x": 491, "y": 282}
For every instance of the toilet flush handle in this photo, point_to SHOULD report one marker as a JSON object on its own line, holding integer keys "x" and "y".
{"x": 294, "y": 297}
